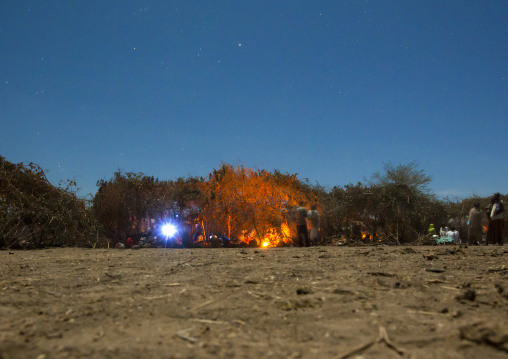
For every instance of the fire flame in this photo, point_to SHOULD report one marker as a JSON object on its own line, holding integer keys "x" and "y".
{"x": 366, "y": 234}
{"x": 272, "y": 238}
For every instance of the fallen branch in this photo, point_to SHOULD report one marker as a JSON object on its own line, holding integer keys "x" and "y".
{"x": 199, "y": 306}
{"x": 423, "y": 312}
{"x": 357, "y": 350}
{"x": 187, "y": 261}
{"x": 382, "y": 338}
{"x": 182, "y": 334}
{"x": 158, "y": 297}
{"x": 207, "y": 321}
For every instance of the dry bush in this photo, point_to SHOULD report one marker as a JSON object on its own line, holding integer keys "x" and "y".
{"x": 34, "y": 213}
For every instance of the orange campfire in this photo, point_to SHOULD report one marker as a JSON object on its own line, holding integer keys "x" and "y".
{"x": 272, "y": 237}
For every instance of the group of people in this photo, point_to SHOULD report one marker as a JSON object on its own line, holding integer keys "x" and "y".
{"x": 446, "y": 234}
{"x": 495, "y": 214}
{"x": 491, "y": 218}
{"x": 307, "y": 221}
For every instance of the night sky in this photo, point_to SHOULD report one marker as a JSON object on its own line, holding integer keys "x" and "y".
{"x": 330, "y": 90}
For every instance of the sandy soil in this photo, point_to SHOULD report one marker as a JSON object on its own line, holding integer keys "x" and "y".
{"x": 318, "y": 302}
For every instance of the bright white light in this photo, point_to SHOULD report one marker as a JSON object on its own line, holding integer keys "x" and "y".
{"x": 168, "y": 230}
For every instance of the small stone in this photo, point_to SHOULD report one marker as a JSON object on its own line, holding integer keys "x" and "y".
{"x": 303, "y": 290}
{"x": 500, "y": 288}
{"x": 469, "y": 294}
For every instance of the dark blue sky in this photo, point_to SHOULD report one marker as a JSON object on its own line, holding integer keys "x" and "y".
{"x": 330, "y": 90}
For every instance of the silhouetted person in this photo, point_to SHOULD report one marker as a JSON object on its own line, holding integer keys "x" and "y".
{"x": 489, "y": 238}
{"x": 313, "y": 216}
{"x": 474, "y": 233}
{"x": 301, "y": 226}
{"x": 496, "y": 217}
{"x": 442, "y": 231}
{"x": 432, "y": 230}
{"x": 454, "y": 235}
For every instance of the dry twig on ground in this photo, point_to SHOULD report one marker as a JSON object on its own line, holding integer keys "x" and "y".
{"x": 382, "y": 338}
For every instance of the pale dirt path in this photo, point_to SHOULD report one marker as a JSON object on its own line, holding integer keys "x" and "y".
{"x": 318, "y": 302}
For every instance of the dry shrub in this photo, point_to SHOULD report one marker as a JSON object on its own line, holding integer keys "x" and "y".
{"x": 34, "y": 213}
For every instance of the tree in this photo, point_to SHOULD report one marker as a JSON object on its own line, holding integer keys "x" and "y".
{"x": 242, "y": 200}
{"x": 130, "y": 203}
{"x": 401, "y": 201}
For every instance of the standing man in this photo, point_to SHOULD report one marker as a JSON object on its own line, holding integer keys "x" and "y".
{"x": 301, "y": 225}
{"x": 490, "y": 229}
{"x": 313, "y": 216}
{"x": 474, "y": 232}
{"x": 496, "y": 216}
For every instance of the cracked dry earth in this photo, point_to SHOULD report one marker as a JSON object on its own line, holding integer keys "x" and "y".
{"x": 318, "y": 302}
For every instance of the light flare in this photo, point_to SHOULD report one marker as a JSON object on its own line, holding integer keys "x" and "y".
{"x": 169, "y": 230}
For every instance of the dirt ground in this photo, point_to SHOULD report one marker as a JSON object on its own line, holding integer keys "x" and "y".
{"x": 318, "y": 302}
